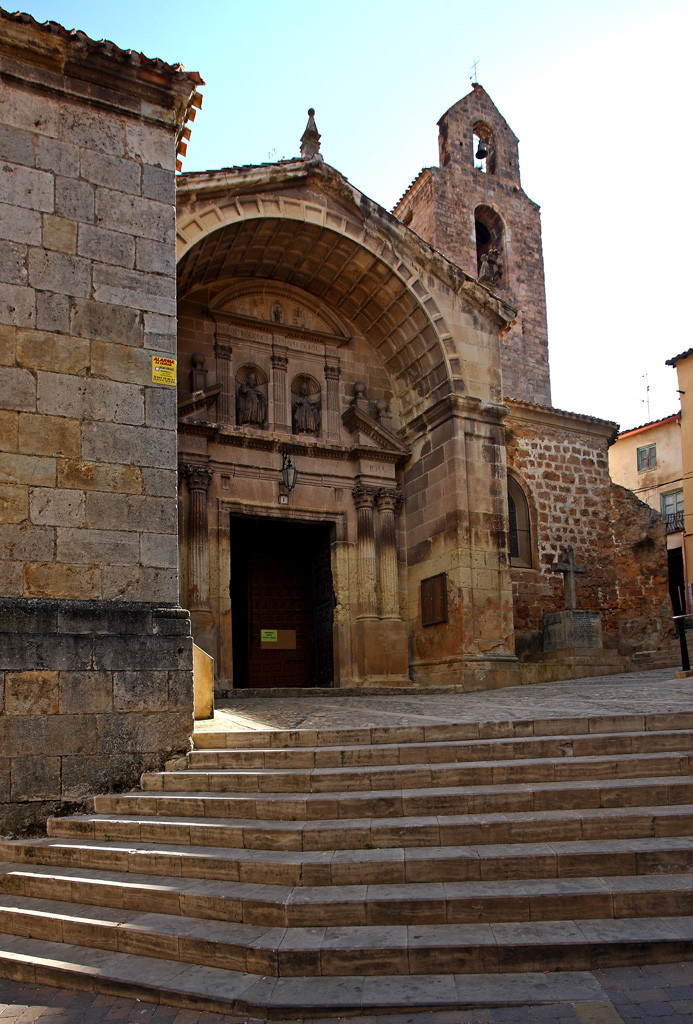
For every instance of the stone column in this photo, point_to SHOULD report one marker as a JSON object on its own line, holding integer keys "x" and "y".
{"x": 279, "y": 366}
{"x": 198, "y": 479}
{"x": 332, "y": 400}
{"x": 225, "y": 401}
{"x": 387, "y": 501}
{"x": 367, "y": 603}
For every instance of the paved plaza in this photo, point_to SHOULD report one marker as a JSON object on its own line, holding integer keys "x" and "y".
{"x": 633, "y": 693}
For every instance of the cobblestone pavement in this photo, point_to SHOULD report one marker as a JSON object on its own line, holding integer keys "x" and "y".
{"x": 630, "y": 692}
{"x": 662, "y": 994}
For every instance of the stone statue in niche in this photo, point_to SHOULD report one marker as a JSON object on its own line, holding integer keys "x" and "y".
{"x": 251, "y": 404}
{"x": 277, "y": 313}
{"x": 490, "y": 267}
{"x": 305, "y": 406}
{"x": 198, "y": 374}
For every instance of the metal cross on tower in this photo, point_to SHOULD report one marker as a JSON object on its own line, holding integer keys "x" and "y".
{"x": 473, "y": 74}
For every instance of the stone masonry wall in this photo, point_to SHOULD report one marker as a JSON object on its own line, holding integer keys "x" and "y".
{"x": 88, "y": 483}
{"x": 563, "y": 471}
{"x": 92, "y": 693}
{"x": 642, "y": 623}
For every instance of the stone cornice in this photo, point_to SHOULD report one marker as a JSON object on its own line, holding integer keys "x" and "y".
{"x": 538, "y": 415}
{"x": 53, "y": 59}
{"x": 454, "y": 407}
{"x": 273, "y": 441}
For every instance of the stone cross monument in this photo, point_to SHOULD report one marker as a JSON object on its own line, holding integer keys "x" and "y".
{"x": 572, "y": 633}
{"x": 569, "y": 570}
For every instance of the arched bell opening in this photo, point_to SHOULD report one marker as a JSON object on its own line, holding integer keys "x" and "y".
{"x": 491, "y": 254}
{"x": 484, "y": 148}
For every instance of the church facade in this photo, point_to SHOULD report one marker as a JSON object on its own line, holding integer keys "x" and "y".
{"x": 399, "y": 362}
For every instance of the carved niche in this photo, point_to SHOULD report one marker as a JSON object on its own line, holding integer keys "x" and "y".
{"x": 251, "y": 396}
{"x": 306, "y": 404}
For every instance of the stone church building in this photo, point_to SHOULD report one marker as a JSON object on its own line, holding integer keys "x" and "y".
{"x": 401, "y": 360}
{"x": 356, "y": 478}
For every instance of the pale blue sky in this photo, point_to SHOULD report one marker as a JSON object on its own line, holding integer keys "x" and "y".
{"x": 598, "y": 92}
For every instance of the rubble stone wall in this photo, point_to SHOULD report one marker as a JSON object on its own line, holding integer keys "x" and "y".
{"x": 561, "y": 462}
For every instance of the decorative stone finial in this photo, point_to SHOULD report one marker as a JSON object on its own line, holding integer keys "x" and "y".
{"x": 310, "y": 140}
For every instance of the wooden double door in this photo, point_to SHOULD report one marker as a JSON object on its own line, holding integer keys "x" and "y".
{"x": 282, "y": 603}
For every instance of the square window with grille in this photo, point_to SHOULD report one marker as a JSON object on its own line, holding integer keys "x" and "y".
{"x": 434, "y": 600}
{"x": 647, "y": 457}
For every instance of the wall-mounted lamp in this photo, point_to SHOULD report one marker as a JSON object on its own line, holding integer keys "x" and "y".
{"x": 289, "y": 471}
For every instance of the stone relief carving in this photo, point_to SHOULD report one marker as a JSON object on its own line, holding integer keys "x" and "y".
{"x": 251, "y": 397}
{"x": 305, "y": 405}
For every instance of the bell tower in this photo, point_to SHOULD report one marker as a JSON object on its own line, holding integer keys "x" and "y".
{"x": 472, "y": 207}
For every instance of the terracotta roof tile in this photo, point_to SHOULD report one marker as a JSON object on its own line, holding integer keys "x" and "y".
{"x": 105, "y": 46}
{"x": 682, "y": 355}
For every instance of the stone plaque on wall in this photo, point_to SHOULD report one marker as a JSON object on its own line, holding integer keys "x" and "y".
{"x": 573, "y": 630}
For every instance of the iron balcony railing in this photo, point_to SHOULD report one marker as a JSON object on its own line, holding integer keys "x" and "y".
{"x": 674, "y": 522}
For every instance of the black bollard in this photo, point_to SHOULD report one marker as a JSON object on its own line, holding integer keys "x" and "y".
{"x": 680, "y": 621}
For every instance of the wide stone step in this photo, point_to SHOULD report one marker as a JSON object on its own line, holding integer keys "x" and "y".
{"x": 443, "y": 752}
{"x": 345, "y": 867}
{"x": 560, "y": 725}
{"x": 408, "y": 802}
{"x": 382, "y": 833}
{"x": 542, "y": 899}
{"x": 338, "y": 951}
{"x": 36, "y": 961}
{"x": 387, "y": 777}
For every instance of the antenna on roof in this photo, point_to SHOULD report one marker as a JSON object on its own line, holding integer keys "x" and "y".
{"x": 473, "y": 74}
{"x": 646, "y": 399}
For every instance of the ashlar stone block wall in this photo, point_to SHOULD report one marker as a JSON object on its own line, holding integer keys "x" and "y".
{"x": 95, "y": 655}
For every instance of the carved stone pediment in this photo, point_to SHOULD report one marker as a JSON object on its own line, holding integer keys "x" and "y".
{"x": 277, "y": 309}
{"x": 202, "y": 399}
{"x": 368, "y": 433}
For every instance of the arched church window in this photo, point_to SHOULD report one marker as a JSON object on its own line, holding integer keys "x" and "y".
{"x": 519, "y": 533}
{"x": 490, "y": 243}
{"x": 484, "y": 148}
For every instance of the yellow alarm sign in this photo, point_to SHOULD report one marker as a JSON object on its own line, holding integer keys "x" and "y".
{"x": 163, "y": 370}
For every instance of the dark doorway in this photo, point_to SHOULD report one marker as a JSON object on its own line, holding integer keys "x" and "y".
{"x": 677, "y": 582}
{"x": 281, "y": 603}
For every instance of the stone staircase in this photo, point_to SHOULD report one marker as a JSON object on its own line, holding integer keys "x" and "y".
{"x": 299, "y": 873}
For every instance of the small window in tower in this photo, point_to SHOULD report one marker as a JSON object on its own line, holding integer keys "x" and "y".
{"x": 484, "y": 148}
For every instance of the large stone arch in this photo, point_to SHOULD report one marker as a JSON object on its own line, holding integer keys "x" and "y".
{"x": 345, "y": 262}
